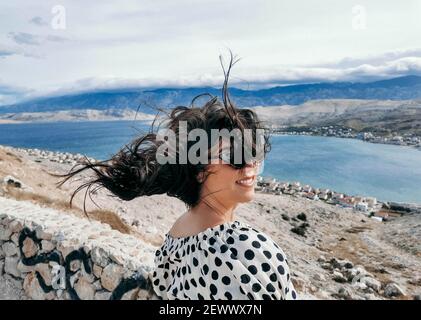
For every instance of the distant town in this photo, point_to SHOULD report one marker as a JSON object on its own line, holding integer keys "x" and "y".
{"x": 370, "y": 206}
{"x": 405, "y": 139}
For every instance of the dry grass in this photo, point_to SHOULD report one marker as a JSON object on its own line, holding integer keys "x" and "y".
{"x": 104, "y": 216}
{"x": 111, "y": 219}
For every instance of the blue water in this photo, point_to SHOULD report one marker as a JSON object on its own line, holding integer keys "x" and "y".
{"x": 388, "y": 172}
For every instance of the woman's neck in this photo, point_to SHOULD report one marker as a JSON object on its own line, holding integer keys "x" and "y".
{"x": 211, "y": 213}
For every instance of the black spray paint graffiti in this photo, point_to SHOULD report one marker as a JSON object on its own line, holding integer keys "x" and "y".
{"x": 135, "y": 281}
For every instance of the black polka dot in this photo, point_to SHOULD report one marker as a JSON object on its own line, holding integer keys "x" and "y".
{"x": 202, "y": 282}
{"x": 205, "y": 268}
{"x": 252, "y": 269}
{"x": 265, "y": 267}
{"x": 200, "y": 297}
{"x": 229, "y": 264}
{"x": 212, "y": 250}
{"x": 161, "y": 287}
{"x": 224, "y": 248}
{"x": 230, "y": 240}
{"x": 213, "y": 289}
{"x": 294, "y": 295}
{"x": 256, "y": 287}
{"x": 228, "y": 295}
{"x": 218, "y": 262}
{"x": 249, "y": 254}
{"x": 256, "y": 244}
{"x": 280, "y": 257}
{"x": 226, "y": 280}
{"x": 212, "y": 240}
{"x": 215, "y": 275}
{"x": 273, "y": 277}
{"x": 270, "y": 287}
{"x": 193, "y": 282}
{"x": 234, "y": 253}
{"x": 243, "y": 237}
{"x": 266, "y": 297}
{"x": 186, "y": 285}
{"x": 281, "y": 269}
{"x": 267, "y": 254}
{"x": 261, "y": 237}
{"x": 245, "y": 278}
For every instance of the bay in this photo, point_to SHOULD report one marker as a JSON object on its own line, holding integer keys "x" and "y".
{"x": 387, "y": 172}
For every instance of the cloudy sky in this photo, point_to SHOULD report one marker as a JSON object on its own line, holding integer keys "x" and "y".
{"x": 60, "y": 46}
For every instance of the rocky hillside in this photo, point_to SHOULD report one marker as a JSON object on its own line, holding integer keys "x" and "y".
{"x": 76, "y": 115}
{"x": 371, "y": 115}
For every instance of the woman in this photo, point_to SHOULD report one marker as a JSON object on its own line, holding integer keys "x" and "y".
{"x": 208, "y": 253}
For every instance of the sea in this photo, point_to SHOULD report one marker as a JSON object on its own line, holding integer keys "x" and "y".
{"x": 354, "y": 167}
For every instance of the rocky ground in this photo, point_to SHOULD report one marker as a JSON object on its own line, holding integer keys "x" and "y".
{"x": 334, "y": 253}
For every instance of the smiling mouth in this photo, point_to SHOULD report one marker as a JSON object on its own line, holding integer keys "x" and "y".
{"x": 246, "y": 182}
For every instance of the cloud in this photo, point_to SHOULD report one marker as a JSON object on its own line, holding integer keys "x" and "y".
{"x": 38, "y": 21}
{"x": 6, "y": 52}
{"x": 10, "y": 94}
{"x": 24, "y": 38}
{"x": 34, "y": 40}
{"x": 53, "y": 38}
{"x": 254, "y": 79}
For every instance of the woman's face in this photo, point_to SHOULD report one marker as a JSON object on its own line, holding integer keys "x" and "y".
{"x": 228, "y": 185}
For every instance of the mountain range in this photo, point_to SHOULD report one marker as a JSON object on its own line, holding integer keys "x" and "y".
{"x": 402, "y": 88}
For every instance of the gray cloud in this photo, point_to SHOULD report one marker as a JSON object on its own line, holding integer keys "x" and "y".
{"x": 53, "y": 38}
{"x": 24, "y": 38}
{"x": 38, "y": 21}
{"x": 10, "y": 94}
{"x": 6, "y": 53}
{"x": 32, "y": 39}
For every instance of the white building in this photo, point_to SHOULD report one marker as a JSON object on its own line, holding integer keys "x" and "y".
{"x": 307, "y": 188}
{"x": 362, "y": 206}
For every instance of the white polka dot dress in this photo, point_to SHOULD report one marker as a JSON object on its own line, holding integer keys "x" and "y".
{"x": 231, "y": 261}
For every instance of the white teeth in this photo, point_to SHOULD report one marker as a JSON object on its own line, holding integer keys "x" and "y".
{"x": 246, "y": 182}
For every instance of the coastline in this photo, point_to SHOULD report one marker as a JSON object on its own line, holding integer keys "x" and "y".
{"x": 376, "y": 141}
{"x": 367, "y": 205}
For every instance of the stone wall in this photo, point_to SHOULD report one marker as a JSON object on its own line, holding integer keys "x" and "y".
{"x": 56, "y": 255}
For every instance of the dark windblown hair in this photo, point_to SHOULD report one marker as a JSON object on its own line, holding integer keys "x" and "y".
{"x": 134, "y": 171}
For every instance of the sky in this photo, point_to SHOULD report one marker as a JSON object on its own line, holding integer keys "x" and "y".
{"x": 58, "y": 47}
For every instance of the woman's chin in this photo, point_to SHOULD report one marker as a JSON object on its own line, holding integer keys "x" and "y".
{"x": 246, "y": 196}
